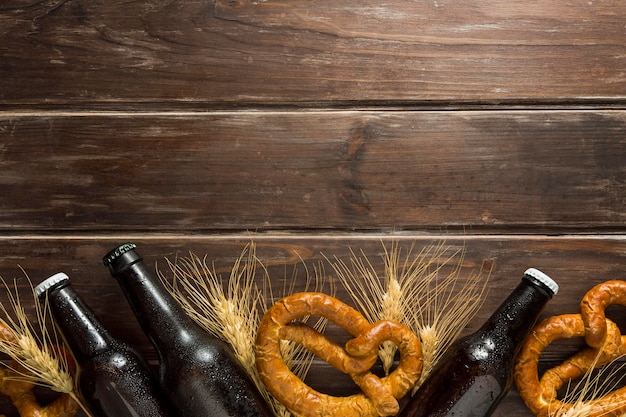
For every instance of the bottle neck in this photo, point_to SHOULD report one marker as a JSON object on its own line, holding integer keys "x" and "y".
{"x": 79, "y": 326}
{"x": 158, "y": 313}
{"x": 516, "y": 316}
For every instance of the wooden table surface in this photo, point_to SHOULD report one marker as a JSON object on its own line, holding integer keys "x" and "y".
{"x": 314, "y": 129}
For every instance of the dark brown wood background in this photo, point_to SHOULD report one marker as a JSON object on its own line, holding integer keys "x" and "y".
{"x": 314, "y": 128}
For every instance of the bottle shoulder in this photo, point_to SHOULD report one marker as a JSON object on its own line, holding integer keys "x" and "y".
{"x": 200, "y": 351}
{"x": 116, "y": 359}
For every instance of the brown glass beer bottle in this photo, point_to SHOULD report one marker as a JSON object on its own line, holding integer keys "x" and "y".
{"x": 112, "y": 378}
{"x": 199, "y": 372}
{"x": 476, "y": 372}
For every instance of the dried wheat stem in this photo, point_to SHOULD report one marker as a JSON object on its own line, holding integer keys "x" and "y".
{"x": 412, "y": 291}
{"x": 579, "y": 398}
{"x": 38, "y": 352}
{"x": 232, "y": 310}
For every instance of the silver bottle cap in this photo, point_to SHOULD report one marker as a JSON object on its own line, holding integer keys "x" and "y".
{"x": 543, "y": 278}
{"x": 50, "y": 282}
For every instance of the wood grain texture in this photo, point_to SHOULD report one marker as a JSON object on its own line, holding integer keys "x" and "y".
{"x": 314, "y": 129}
{"x": 262, "y": 52}
{"x": 524, "y": 170}
{"x": 577, "y": 263}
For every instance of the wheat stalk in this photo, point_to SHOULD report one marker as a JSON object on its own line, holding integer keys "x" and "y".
{"x": 37, "y": 352}
{"x": 232, "y": 310}
{"x": 227, "y": 311}
{"x": 297, "y": 358}
{"x": 412, "y": 292}
{"x": 580, "y": 397}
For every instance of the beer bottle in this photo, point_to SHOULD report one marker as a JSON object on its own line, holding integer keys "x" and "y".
{"x": 199, "y": 372}
{"x": 473, "y": 376}
{"x": 112, "y": 378}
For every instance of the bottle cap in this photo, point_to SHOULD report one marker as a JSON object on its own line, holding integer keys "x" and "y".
{"x": 50, "y": 282}
{"x": 121, "y": 257}
{"x": 543, "y": 278}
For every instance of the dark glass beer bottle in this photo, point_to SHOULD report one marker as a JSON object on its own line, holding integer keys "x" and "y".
{"x": 112, "y": 378}
{"x": 199, "y": 372}
{"x": 473, "y": 376}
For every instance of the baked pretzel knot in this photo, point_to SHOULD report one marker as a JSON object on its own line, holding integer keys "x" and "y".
{"x": 21, "y": 393}
{"x": 593, "y": 305}
{"x": 379, "y": 396}
{"x": 605, "y": 345}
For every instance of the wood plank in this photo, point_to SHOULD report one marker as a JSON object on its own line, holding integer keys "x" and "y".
{"x": 284, "y": 51}
{"x": 478, "y": 170}
{"x": 576, "y": 262}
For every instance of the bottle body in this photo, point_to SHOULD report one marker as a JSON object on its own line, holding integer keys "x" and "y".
{"x": 476, "y": 372}
{"x": 112, "y": 377}
{"x": 198, "y": 372}
{"x": 119, "y": 396}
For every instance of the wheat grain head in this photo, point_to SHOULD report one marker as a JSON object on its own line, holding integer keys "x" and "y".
{"x": 231, "y": 310}
{"x": 421, "y": 290}
{"x": 37, "y": 350}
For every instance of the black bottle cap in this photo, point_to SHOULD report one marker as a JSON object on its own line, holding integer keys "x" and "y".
{"x": 121, "y": 257}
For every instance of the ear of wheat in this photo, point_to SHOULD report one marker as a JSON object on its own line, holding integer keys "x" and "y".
{"x": 422, "y": 291}
{"x": 232, "y": 310}
{"x": 37, "y": 351}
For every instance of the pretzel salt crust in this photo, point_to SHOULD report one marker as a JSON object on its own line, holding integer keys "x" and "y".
{"x": 379, "y": 396}
{"x": 22, "y": 396}
{"x": 605, "y": 345}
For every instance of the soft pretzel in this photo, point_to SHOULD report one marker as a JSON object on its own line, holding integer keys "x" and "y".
{"x": 24, "y": 400}
{"x": 593, "y": 305}
{"x": 379, "y": 396}
{"x": 541, "y": 395}
{"x": 21, "y": 393}
{"x": 605, "y": 345}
